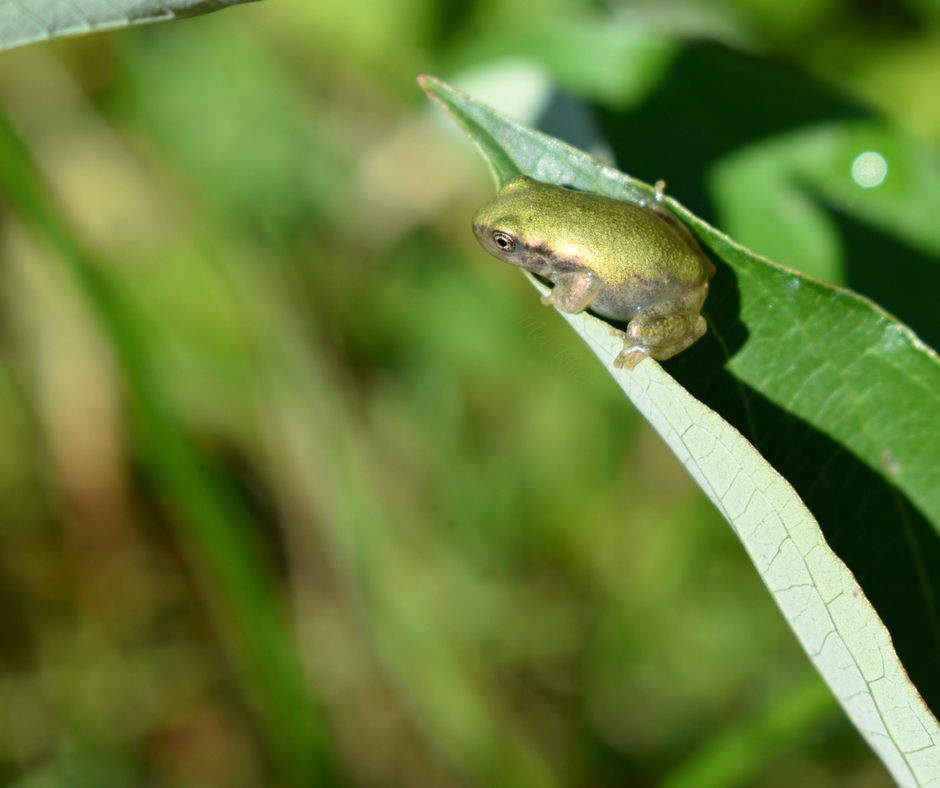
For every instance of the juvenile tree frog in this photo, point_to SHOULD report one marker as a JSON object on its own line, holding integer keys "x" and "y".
{"x": 635, "y": 264}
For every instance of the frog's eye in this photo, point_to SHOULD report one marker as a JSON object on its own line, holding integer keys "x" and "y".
{"x": 504, "y": 241}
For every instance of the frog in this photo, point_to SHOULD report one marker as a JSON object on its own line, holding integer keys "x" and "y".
{"x": 633, "y": 263}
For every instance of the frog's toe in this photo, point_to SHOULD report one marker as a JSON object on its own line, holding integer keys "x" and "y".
{"x": 630, "y": 356}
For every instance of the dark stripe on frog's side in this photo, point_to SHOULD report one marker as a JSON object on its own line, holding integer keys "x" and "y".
{"x": 630, "y": 281}
{"x": 563, "y": 264}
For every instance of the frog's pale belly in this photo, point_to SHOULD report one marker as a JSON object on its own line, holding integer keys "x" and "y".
{"x": 626, "y": 301}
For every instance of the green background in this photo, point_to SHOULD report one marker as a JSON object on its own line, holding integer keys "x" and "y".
{"x": 317, "y": 492}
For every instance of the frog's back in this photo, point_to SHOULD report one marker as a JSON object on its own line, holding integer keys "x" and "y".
{"x": 626, "y": 243}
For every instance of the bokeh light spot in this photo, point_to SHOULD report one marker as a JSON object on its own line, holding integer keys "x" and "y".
{"x": 869, "y": 169}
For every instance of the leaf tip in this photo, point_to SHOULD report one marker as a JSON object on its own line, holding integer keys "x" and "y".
{"x": 428, "y": 83}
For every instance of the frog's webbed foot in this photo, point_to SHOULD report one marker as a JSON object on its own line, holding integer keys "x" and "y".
{"x": 574, "y": 292}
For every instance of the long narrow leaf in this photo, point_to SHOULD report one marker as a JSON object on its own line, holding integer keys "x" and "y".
{"x": 845, "y": 401}
{"x": 27, "y": 21}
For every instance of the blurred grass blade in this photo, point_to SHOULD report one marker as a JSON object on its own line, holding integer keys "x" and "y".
{"x": 28, "y": 21}
{"x": 798, "y": 347}
{"x": 206, "y": 514}
{"x": 737, "y": 754}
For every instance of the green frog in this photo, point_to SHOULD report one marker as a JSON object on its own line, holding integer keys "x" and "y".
{"x": 631, "y": 263}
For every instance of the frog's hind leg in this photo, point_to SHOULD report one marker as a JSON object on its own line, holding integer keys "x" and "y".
{"x": 663, "y": 330}
{"x": 672, "y": 335}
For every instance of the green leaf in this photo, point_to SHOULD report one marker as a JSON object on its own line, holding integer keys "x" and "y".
{"x": 616, "y": 62}
{"x": 27, "y": 21}
{"x": 840, "y": 404}
{"x": 773, "y": 195}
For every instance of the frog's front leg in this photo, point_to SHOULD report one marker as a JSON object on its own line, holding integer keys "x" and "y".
{"x": 574, "y": 291}
{"x": 662, "y": 331}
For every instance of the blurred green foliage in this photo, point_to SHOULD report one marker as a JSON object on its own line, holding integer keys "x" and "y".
{"x": 445, "y": 557}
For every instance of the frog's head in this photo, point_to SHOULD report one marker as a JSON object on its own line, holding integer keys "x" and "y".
{"x": 507, "y": 226}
